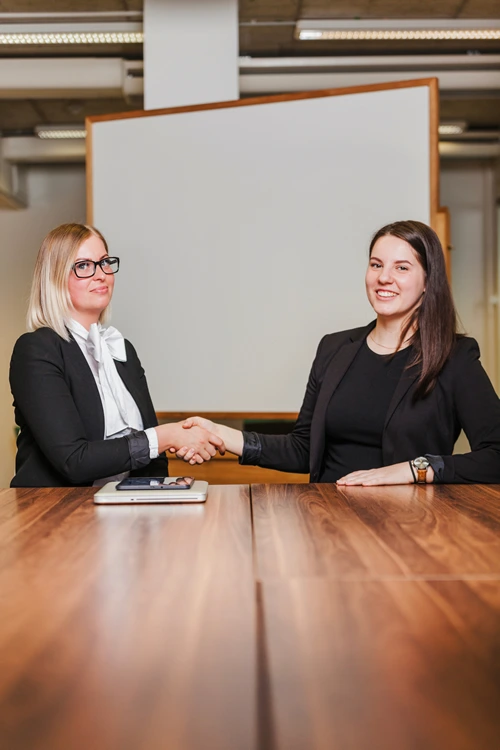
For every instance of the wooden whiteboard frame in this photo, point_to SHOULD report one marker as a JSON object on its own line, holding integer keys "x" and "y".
{"x": 435, "y": 212}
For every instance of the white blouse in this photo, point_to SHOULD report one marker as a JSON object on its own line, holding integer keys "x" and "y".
{"x": 100, "y": 347}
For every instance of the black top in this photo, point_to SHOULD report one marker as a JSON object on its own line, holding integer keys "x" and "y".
{"x": 356, "y": 413}
{"x": 463, "y": 398}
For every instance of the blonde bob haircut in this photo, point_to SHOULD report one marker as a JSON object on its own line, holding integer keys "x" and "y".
{"x": 50, "y": 303}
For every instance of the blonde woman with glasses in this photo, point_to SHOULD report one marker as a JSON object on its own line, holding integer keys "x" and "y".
{"x": 80, "y": 394}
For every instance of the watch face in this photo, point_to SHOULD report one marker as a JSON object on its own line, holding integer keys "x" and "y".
{"x": 421, "y": 463}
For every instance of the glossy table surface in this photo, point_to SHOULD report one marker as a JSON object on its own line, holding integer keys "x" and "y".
{"x": 281, "y": 616}
{"x": 382, "y": 616}
{"x": 122, "y": 626}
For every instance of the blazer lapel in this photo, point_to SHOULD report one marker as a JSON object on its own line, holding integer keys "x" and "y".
{"x": 94, "y": 412}
{"x": 132, "y": 386}
{"x": 405, "y": 382}
{"x": 335, "y": 371}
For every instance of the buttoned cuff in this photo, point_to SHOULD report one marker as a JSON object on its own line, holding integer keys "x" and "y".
{"x": 152, "y": 436}
{"x": 138, "y": 446}
{"x": 252, "y": 449}
{"x": 437, "y": 464}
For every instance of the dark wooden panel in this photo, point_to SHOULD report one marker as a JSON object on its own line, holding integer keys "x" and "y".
{"x": 283, "y": 10}
{"x": 174, "y": 416}
{"x": 372, "y": 665}
{"x": 222, "y": 470}
{"x": 126, "y": 627}
{"x": 376, "y": 532}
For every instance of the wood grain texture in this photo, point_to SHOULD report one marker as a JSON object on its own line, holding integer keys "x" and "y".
{"x": 383, "y": 665}
{"x": 175, "y": 416}
{"x": 375, "y": 624}
{"x": 362, "y": 533}
{"x": 126, "y": 627}
{"x": 223, "y": 471}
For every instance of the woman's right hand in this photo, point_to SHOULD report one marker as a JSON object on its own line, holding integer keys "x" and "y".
{"x": 233, "y": 439}
{"x": 202, "y": 443}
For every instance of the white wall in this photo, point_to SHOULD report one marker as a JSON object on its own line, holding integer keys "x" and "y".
{"x": 190, "y": 52}
{"x": 56, "y": 195}
{"x": 468, "y": 190}
{"x": 252, "y": 225}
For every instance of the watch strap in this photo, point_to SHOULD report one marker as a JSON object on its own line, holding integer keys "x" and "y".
{"x": 421, "y": 476}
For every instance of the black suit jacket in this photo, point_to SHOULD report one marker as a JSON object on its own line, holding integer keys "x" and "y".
{"x": 462, "y": 398}
{"x": 59, "y": 410}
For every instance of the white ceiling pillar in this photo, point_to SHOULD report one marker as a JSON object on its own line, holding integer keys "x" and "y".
{"x": 190, "y": 52}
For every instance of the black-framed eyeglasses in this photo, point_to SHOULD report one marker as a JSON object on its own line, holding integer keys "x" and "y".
{"x": 84, "y": 269}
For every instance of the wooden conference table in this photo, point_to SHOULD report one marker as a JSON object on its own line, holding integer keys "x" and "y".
{"x": 276, "y": 616}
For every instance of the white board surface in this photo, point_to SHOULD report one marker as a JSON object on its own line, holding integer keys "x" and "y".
{"x": 243, "y": 235}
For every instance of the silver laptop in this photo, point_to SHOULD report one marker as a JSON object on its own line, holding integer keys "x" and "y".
{"x": 109, "y": 494}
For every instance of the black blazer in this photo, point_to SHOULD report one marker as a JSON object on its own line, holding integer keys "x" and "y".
{"x": 462, "y": 398}
{"x": 59, "y": 410}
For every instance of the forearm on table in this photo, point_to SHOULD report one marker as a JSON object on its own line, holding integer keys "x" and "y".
{"x": 82, "y": 462}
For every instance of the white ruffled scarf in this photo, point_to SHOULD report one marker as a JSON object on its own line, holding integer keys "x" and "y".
{"x": 105, "y": 345}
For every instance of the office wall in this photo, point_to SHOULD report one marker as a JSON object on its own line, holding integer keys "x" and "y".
{"x": 468, "y": 190}
{"x": 245, "y": 231}
{"x": 56, "y": 194}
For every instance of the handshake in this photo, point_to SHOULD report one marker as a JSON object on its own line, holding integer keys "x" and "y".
{"x": 197, "y": 439}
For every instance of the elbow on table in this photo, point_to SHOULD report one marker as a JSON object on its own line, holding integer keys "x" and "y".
{"x": 76, "y": 474}
{"x": 80, "y": 469}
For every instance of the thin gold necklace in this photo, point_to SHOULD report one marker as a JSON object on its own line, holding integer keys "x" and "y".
{"x": 382, "y": 345}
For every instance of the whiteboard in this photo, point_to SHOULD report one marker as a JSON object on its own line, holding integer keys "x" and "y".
{"x": 243, "y": 234}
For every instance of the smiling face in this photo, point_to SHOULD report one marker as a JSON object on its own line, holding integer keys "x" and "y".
{"x": 395, "y": 280}
{"x": 91, "y": 296}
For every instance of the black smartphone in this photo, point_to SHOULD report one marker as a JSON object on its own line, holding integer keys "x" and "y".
{"x": 155, "y": 483}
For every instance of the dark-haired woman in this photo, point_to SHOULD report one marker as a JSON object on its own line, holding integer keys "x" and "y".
{"x": 385, "y": 403}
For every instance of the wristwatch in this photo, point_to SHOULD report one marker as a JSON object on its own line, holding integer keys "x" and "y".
{"x": 421, "y": 464}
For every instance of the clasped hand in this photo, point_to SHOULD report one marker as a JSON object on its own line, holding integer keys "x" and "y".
{"x": 198, "y": 440}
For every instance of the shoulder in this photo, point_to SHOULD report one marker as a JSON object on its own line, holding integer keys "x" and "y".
{"x": 465, "y": 348}
{"x": 330, "y": 343}
{"x": 465, "y": 353}
{"x": 35, "y": 352}
{"x": 131, "y": 351}
{"x": 133, "y": 362}
{"x": 41, "y": 340}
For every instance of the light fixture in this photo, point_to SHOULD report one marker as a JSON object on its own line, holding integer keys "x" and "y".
{"x": 82, "y": 32}
{"x": 60, "y": 132}
{"x": 452, "y": 128}
{"x": 398, "y": 30}
{"x": 79, "y": 37}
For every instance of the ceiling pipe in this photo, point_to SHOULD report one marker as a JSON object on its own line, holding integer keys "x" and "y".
{"x": 52, "y": 78}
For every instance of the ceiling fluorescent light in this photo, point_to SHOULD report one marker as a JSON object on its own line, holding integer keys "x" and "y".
{"x": 59, "y": 132}
{"x": 452, "y": 128}
{"x": 71, "y": 33}
{"x": 80, "y": 37}
{"x": 398, "y": 30}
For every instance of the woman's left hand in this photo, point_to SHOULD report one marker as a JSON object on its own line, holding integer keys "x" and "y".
{"x": 395, "y": 474}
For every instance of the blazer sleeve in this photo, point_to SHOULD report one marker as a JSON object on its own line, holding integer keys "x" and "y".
{"x": 43, "y": 397}
{"x": 290, "y": 452}
{"x": 478, "y": 411}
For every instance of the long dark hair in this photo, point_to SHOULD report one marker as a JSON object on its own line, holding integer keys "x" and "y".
{"x": 435, "y": 319}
